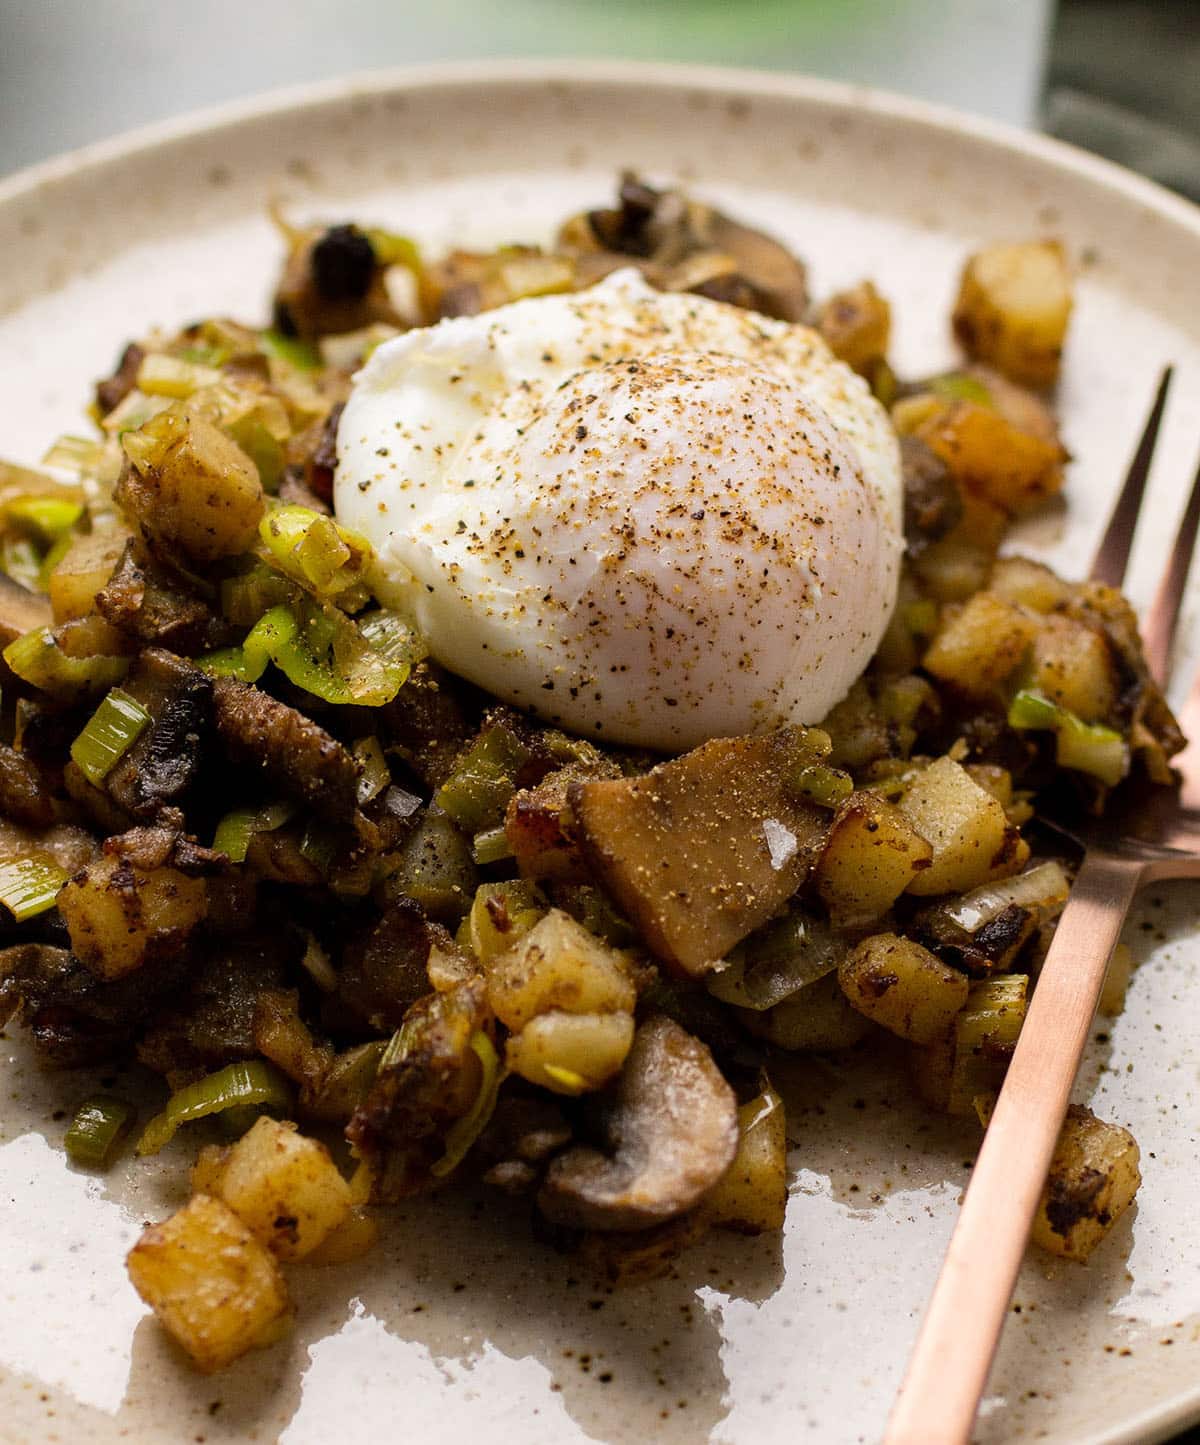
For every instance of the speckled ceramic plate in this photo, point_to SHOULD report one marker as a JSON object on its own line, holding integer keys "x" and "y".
{"x": 461, "y": 1326}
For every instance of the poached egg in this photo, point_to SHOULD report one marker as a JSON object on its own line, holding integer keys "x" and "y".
{"x": 650, "y": 518}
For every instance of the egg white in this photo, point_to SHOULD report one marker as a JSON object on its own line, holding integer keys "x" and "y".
{"x": 649, "y": 518}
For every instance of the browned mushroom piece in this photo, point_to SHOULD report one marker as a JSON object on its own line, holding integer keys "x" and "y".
{"x": 671, "y": 1124}
{"x": 680, "y": 244}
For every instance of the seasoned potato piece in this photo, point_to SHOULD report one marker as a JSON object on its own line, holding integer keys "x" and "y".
{"x": 571, "y": 1053}
{"x": 980, "y": 645}
{"x": 500, "y": 914}
{"x": 214, "y": 1287}
{"x": 869, "y": 859}
{"x": 1116, "y": 981}
{"x": 539, "y": 826}
{"x": 858, "y": 729}
{"x": 353, "y": 1238}
{"x": 188, "y": 486}
{"x": 1014, "y": 303}
{"x": 558, "y": 964}
{"x": 209, "y": 1169}
{"x": 987, "y": 455}
{"x": 284, "y": 1188}
{"x": 969, "y": 1064}
{"x": 856, "y": 324}
{"x": 751, "y": 1196}
{"x": 903, "y": 987}
{"x": 1032, "y": 584}
{"x": 120, "y": 917}
{"x": 1093, "y": 1178}
{"x": 1073, "y": 665}
{"x": 971, "y": 837}
{"x": 817, "y": 1019}
{"x": 956, "y": 566}
{"x": 701, "y": 850}
{"x": 83, "y": 570}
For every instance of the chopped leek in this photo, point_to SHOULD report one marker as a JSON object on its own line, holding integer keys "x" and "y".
{"x": 478, "y": 790}
{"x": 463, "y": 1132}
{"x": 318, "y": 846}
{"x": 255, "y": 1082}
{"x": 300, "y": 355}
{"x": 20, "y": 560}
{"x": 921, "y": 617}
{"x": 36, "y": 658}
{"x": 1083, "y": 747}
{"x": 392, "y": 249}
{"x": 236, "y": 829}
{"x": 491, "y": 846}
{"x": 571, "y": 1082}
{"x": 46, "y": 517}
{"x": 392, "y": 637}
{"x": 825, "y": 786}
{"x": 247, "y": 596}
{"x": 110, "y": 732}
{"x": 85, "y": 456}
{"x": 29, "y": 886}
{"x": 956, "y": 386}
{"x": 173, "y": 376}
{"x": 97, "y": 1128}
{"x": 376, "y": 775}
{"x": 315, "y": 550}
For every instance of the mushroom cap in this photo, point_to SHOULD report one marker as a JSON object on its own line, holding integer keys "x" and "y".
{"x": 671, "y": 1122}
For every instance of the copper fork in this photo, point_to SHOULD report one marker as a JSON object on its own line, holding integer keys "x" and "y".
{"x": 948, "y": 1370}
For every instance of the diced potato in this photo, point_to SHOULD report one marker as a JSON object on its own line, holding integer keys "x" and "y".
{"x": 1014, "y": 303}
{"x": 994, "y": 780}
{"x": 83, "y": 570}
{"x": 903, "y": 987}
{"x": 980, "y": 645}
{"x": 870, "y": 857}
{"x": 857, "y": 324}
{"x": 209, "y": 1169}
{"x": 816, "y": 1019}
{"x": 981, "y": 1044}
{"x": 858, "y": 729}
{"x": 558, "y": 964}
{"x": 970, "y": 835}
{"x": 752, "y": 1195}
{"x": 190, "y": 487}
{"x": 1093, "y": 1179}
{"x": 957, "y": 565}
{"x": 1116, "y": 981}
{"x": 540, "y": 827}
{"x": 120, "y": 917}
{"x": 702, "y": 849}
{"x": 987, "y": 455}
{"x": 353, "y": 1238}
{"x": 214, "y": 1287}
{"x": 1073, "y": 665}
{"x": 500, "y": 914}
{"x": 1030, "y": 583}
{"x": 284, "y": 1187}
{"x": 571, "y": 1053}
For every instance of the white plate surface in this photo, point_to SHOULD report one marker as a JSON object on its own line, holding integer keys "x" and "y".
{"x": 462, "y": 1327}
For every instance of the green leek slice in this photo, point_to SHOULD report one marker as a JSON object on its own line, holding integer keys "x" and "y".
{"x": 255, "y": 1082}
{"x": 237, "y": 828}
{"x": 463, "y": 1132}
{"x": 1083, "y": 747}
{"x": 110, "y": 732}
{"x": 97, "y": 1128}
{"x": 29, "y": 886}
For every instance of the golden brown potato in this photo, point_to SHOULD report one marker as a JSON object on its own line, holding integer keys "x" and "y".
{"x": 954, "y": 1073}
{"x": 1074, "y": 666}
{"x": 990, "y": 457}
{"x": 120, "y": 917}
{"x": 1093, "y": 1179}
{"x": 1032, "y": 584}
{"x": 188, "y": 486}
{"x": 980, "y": 645}
{"x": 857, "y": 324}
{"x": 558, "y": 964}
{"x": 214, "y": 1287}
{"x": 353, "y": 1238}
{"x": 903, "y": 987}
{"x": 284, "y": 1188}
{"x": 1014, "y": 303}
{"x": 1116, "y": 981}
{"x": 83, "y": 570}
{"x": 571, "y": 1053}
{"x": 751, "y": 1196}
{"x": 957, "y": 565}
{"x": 971, "y": 837}
{"x": 870, "y": 857}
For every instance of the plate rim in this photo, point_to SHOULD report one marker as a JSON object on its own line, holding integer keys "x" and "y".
{"x": 730, "y": 81}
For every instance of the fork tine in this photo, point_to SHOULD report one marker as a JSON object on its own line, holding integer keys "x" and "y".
{"x": 1163, "y": 617}
{"x": 1113, "y": 552}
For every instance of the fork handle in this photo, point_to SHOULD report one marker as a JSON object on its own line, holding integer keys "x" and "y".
{"x": 954, "y": 1350}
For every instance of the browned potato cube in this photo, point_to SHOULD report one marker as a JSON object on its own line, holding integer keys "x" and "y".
{"x": 987, "y": 455}
{"x": 967, "y": 828}
{"x": 869, "y": 859}
{"x": 1030, "y": 583}
{"x": 1093, "y": 1179}
{"x": 856, "y": 324}
{"x": 1013, "y": 306}
{"x": 83, "y": 570}
{"x": 980, "y": 645}
{"x": 751, "y": 1196}
{"x": 903, "y": 987}
{"x": 558, "y": 964}
{"x": 284, "y": 1188}
{"x": 353, "y": 1238}
{"x": 956, "y": 566}
{"x": 120, "y": 917}
{"x": 571, "y": 1053}
{"x": 214, "y": 1287}
{"x": 1116, "y": 981}
{"x": 1073, "y": 665}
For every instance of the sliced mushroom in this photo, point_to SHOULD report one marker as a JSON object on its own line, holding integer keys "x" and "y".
{"x": 671, "y": 1123}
